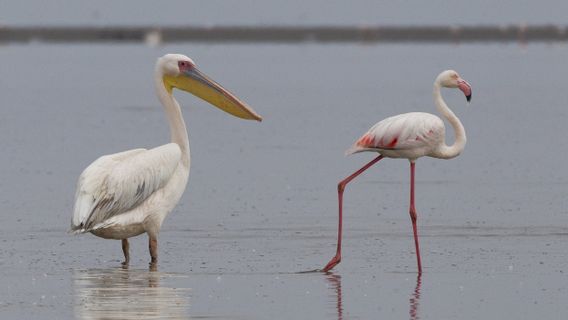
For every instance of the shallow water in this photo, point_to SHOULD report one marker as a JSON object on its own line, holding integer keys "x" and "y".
{"x": 261, "y": 202}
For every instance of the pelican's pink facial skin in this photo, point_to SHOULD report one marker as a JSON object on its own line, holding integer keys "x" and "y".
{"x": 464, "y": 87}
{"x": 185, "y": 66}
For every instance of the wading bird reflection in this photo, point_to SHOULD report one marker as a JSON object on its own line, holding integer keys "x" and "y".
{"x": 414, "y": 300}
{"x": 129, "y": 294}
{"x": 334, "y": 281}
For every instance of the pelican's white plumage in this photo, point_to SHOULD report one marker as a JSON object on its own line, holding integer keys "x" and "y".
{"x": 128, "y": 193}
{"x": 118, "y": 183}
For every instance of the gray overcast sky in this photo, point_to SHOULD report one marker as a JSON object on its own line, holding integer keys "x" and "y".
{"x": 289, "y": 12}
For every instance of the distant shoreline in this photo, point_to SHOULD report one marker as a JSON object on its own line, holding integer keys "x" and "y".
{"x": 155, "y": 35}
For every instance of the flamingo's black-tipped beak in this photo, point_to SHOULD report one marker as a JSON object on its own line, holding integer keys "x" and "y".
{"x": 465, "y": 88}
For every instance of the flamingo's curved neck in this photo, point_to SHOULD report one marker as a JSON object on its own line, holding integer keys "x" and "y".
{"x": 445, "y": 151}
{"x": 178, "y": 130}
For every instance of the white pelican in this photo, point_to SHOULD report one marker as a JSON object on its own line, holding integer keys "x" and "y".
{"x": 125, "y": 194}
{"x": 410, "y": 136}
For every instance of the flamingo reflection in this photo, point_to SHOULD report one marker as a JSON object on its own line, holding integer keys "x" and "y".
{"x": 334, "y": 281}
{"x": 415, "y": 299}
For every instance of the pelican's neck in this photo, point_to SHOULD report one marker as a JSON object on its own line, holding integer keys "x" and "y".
{"x": 178, "y": 130}
{"x": 445, "y": 151}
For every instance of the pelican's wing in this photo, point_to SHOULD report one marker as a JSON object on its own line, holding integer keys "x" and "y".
{"x": 119, "y": 182}
{"x": 403, "y": 131}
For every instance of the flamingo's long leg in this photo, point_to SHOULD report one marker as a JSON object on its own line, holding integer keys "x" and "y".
{"x": 414, "y": 217}
{"x": 340, "y": 188}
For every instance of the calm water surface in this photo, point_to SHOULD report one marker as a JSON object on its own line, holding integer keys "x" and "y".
{"x": 261, "y": 202}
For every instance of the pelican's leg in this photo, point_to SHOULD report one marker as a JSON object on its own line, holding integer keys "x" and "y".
{"x": 153, "y": 245}
{"x": 413, "y": 216}
{"x": 125, "y": 250}
{"x": 340, "y": 188}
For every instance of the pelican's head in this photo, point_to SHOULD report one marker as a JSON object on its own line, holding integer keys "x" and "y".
{"x": 451, "y": 79}
{"x": 179, "y": 71}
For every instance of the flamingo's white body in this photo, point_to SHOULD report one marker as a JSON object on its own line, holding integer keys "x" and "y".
{"x": 410, "y": 136}
{"x": 125, "y": 194}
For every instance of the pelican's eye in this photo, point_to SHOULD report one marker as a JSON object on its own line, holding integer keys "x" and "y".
{"x": 184, "y": 65}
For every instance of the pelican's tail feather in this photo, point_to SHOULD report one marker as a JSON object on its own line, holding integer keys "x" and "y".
{"x": 76, "y": 230}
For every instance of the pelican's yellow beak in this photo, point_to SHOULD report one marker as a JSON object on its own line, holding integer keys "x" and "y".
{"x": 200, "y": 85}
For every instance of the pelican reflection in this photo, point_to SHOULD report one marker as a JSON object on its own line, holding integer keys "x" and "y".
{"x": 128, "y": 294}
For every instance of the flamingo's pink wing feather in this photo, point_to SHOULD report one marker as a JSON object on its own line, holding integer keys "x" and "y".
{"x": 403, "y": 131}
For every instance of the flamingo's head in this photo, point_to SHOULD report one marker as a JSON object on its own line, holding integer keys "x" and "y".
{"x": 179, "y": 71}
{"x": 451, "y": 79}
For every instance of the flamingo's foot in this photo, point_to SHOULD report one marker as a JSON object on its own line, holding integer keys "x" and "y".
{"x": 332, "y": 263}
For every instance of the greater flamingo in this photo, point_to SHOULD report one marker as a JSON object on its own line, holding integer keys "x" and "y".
{"x": 409, "y": 136}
